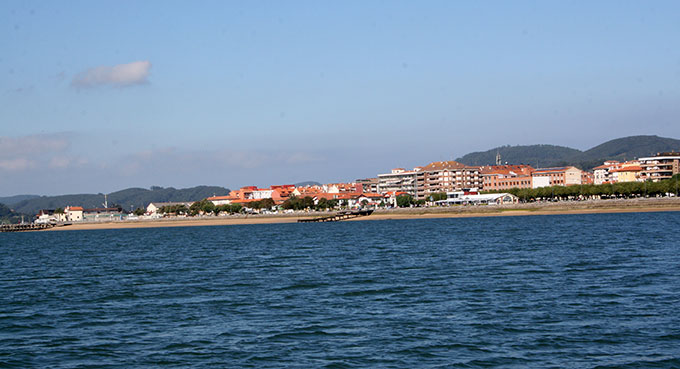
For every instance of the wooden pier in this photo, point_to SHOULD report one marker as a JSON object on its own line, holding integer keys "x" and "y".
{"x": 343, "y": 215}
{"x": 29, "y": 227}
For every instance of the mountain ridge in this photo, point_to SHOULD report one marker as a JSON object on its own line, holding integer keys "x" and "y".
{"x": 624, "y": 148}
{"x": 129, "y": 198}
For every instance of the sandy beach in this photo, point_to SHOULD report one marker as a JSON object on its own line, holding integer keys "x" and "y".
{"x": 532, "y": 209}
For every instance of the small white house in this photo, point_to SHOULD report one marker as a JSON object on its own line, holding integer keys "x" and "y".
{"x": 459, "y": 197}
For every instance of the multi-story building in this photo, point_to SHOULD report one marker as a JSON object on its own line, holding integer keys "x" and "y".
{"x": 447, "y": 176}
{"x": 559, "y": 176}
{"x": 368, "y": 185}
{"x": 628, "y": 173}
{"x": 244, "y": 195}
{"x": 503, "y": 177}
{"x": 340, "y": 187}
{"x": 662, "y": 166}
{"x": 601, "y": 173}
{"x": 401, "y": 180}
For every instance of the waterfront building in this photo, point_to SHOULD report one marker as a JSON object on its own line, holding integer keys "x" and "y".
{"x": 446, "y": 176}
{"x": 151, "y": 209}
{"x": 627, "y": 172}
{"x": 504, "y": 177}
{"x": 340, "y": 187}
{"x": 248, "y": 194}
{"x": 473, "y": 198}
{"x": 439, "y": 176}
{"x": 601, "y": 173}
{"x": 304, "y": 191}
{"x": 74, "y": 213}
{"x": 221, "y": 200}
{"x": 662, "y": 166}
{"x": 558, "y": 176}
{"x": 368, "y": 185}
{"x": 103, "y": 214}
{"x": 400, "y": 180}
{"x": 587, "y": 177}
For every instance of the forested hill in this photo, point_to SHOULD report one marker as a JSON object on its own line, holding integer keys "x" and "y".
{"x": 626, "y": 148}
{"x": 11, "y": 200}
{"x": 8, "y": 215}
{"x": 534, "y": 155}
{"x": 129, "y": 198}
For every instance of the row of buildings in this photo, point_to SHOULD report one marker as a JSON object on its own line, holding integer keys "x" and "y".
{"x": 452, "y": 176}
{"x": 78, "y": 214}
{"x": 655, "y": 168}
{"x": 447, "y": 176}
{"x": 460, "y": 182}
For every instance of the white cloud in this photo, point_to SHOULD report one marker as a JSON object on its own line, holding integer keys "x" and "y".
{"x": 16, "y": 164}
{"x": 36, "y": 152}
{"x": 32, "y": 145}
{"x": 118, "y": 75}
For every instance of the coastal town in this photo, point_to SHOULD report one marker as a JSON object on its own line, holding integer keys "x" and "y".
{"x": 442, "y": 183}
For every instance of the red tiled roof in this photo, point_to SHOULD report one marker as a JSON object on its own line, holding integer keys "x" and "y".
{"x": 633, "y": 168}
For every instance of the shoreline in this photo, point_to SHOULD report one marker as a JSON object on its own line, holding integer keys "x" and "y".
{"x": 562, "y": 208}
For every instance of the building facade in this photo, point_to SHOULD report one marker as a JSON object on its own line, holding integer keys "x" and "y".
{"x": 559, "y": 176}
{"x": 662, "y": 166}
{"x": 504, "y": 177}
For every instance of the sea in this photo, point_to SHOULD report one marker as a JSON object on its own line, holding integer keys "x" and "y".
{"x": 554, "y": 291}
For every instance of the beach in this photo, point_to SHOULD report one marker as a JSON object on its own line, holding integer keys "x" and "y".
{"x": 546, "y": 208}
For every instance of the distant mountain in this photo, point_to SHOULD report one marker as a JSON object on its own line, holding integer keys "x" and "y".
{"x": 307, "y": 183}
{"x": 127, "y": 199}
{"x": 534, "y": 155}
{"x": 626, "y": 148}
{"x": 8, "y": 215}
{"x": 11, "y": 200}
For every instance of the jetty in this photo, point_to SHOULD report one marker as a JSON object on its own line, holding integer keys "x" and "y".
{"x": 343, "y": 215}
{"x": 29, "y": 227}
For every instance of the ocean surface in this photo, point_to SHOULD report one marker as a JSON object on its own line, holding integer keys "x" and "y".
{"x": 562, "y": 291}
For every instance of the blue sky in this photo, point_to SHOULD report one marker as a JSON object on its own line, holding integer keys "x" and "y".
{"x": 101, "y": 96}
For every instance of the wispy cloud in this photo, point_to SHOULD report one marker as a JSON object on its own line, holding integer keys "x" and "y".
{"x": 15, "y": 164}
{"x": 33, "y": 145}
{"x": 118, "y": 75}
{"x": 36, "y": 152}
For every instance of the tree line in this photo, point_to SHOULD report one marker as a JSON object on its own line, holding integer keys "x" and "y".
{"x": 590, "y": 191}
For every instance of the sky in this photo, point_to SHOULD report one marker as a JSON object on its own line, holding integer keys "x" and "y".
{"x": 96, "y": 97}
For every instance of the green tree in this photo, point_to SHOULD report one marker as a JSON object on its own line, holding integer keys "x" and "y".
{"x": 404, "y": 200}
{"x": 437, "y": 196}
{"x": 139, "y": 211}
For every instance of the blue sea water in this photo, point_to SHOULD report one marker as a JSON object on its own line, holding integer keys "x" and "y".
{"x": 563, "y": 291}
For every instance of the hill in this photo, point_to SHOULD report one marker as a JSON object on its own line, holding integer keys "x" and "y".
{"x": 534, "y": 155}
{"x": 127, "y": 199}
{"x": 626, "y": 148}
{"x": 11, "y": 200}
{"x": 307, "y": 183}
{"x": 8, "y": 215}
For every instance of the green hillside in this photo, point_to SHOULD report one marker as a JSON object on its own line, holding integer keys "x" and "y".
{"x": 626, "y": 148}
{"x": 127, "y": 199}
{"x": 534, "y": 155}
{"x": 11, "y": 200}
{"x": 8, "y": 215}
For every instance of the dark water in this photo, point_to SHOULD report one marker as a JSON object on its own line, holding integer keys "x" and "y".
{"x": 572, "y": 291}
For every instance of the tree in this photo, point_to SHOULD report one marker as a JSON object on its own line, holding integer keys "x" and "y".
{"x": 139, "y": 211}
{"x": 438, "y": 196}
{"x": 59, "y": 211}
{"x": 404, "y": 200}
